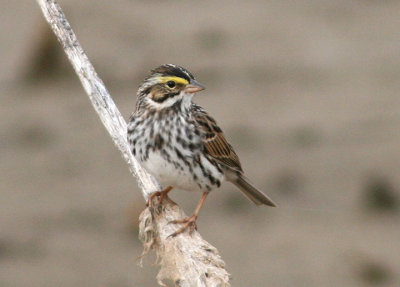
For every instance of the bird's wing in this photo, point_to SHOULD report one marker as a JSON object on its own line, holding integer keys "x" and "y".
{"x": 215, "y": 144}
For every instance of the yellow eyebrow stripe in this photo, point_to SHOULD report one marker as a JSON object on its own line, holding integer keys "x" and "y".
{"x": 177, "y": 80}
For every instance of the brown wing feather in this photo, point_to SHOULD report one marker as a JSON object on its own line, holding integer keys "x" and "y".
{"x": 214, "y": 140}
{"x": 218, "y": 148}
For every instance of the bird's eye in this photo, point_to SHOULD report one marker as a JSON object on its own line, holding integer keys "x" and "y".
{"x": 171, "y": 84}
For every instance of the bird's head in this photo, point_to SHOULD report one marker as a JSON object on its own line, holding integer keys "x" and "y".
{"x": 166, "y": 86}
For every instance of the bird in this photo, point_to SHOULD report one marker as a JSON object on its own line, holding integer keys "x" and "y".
{"x": 180, "y": 144}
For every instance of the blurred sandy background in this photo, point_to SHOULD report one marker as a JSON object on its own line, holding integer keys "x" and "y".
{"x": 306, "y": 91}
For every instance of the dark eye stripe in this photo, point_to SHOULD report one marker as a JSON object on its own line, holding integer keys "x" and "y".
{"x": 165, "y": 97}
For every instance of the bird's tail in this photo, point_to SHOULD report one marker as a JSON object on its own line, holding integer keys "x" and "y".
{"x": 251, "y": 192}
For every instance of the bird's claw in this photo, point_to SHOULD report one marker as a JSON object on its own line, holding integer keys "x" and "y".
{"x": 150, "y": 200}
{"x": 161, "y": 196}
{"x": 189, "y": 222}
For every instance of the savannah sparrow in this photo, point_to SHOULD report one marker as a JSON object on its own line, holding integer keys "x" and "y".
{"x": 179, "y": 143}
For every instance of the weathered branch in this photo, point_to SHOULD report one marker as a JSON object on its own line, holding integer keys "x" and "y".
{"x": 186, "y": 260}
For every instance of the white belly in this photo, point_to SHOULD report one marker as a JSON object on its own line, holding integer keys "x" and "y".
{"x": 180, "y": 176}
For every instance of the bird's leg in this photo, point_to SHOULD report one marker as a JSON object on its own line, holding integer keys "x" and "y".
{"x": 189, "y": 221}
{"x": 164, "y": 195}
{"x": 161, "y": 195}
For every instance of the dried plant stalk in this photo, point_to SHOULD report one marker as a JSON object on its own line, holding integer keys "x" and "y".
{"x": 186, "y": 260}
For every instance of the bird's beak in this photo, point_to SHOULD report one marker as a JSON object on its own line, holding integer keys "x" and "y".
{"x": 194, "y": 87}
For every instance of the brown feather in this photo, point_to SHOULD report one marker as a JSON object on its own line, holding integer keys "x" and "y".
{"x": 214, "y": 140}
{"x": 218, "y": 148}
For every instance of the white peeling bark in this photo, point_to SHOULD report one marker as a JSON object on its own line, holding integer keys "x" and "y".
{"x": 185, "y": 260}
